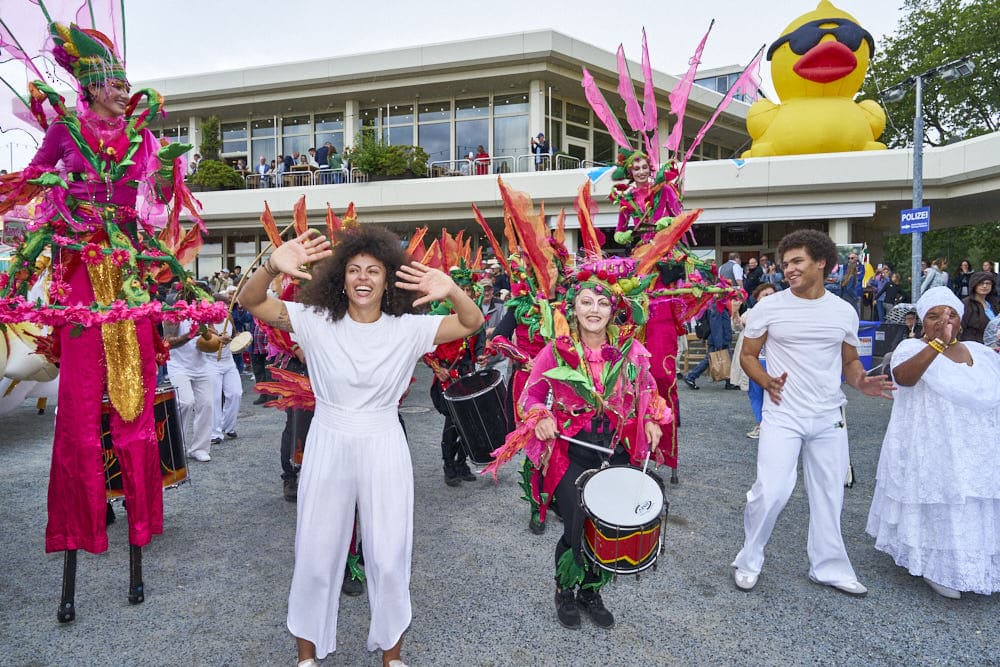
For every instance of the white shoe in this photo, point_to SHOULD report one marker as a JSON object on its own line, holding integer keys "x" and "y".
{"x": 744, "y": 579}
{"x": 397, "y": 663}
{"x": 943, "y": 591}
{"x": 308, "y": 662}
{"x": 754, "y": 433}
{"x": 201, "y": 456}
{"x": 852, "y": 588}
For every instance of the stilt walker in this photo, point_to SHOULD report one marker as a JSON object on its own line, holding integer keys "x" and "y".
{"x": 95, "y": 165}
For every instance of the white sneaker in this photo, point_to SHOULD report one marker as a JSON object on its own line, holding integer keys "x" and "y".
{"x": 852, "y": 588}
{"x": 397, "y": 663}
{"x": 200, "y": 456}
{"x": 744, "y": 579}
{"x": 308, "y": 662}
{"x": 754, "y": 433}
{"x": 943, "y": 591}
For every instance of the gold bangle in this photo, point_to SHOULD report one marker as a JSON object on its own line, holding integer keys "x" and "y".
{"x": 936, "y": 345}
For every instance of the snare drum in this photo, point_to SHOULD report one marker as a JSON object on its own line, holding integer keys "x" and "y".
{"x": 475, "y": 402}
{"x": 169, "y": 437}
{"x": 624, "y": 516}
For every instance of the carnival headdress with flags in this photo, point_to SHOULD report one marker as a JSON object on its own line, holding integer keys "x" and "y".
{"x": 89, "y": 55}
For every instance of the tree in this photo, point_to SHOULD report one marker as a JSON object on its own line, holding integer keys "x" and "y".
{"x": 931, "y": 33}
{"x": 976, "y": 243}
{"x": 211, "y": 144}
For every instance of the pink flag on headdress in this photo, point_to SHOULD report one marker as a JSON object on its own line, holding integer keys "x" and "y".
{"x": 632, "y": 111}
{"x": 748, "y": 77}
{"x": 648, "y": 92}
{"x": 679, "y": 95}
{"x": 600, "y": 106}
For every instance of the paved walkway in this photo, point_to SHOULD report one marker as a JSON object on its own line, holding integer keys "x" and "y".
{"x": 217, "y": 579}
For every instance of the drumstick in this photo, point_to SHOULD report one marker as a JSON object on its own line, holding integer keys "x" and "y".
{"x": 588, "y": 445}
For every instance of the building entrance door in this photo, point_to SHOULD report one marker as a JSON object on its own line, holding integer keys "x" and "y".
{"x": 574, "y": 155}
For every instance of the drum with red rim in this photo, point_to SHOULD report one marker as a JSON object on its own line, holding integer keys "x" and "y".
{"x": 625, "y": 514}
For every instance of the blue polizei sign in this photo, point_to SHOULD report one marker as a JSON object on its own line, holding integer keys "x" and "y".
{"x": 915, "y": 220}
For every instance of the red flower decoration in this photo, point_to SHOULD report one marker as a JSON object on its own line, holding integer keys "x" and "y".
{"x": 4, "y": 280}
{"x": 610, "y": 353}
{"x": 584, "y": 275}
{"x": 119, "y": 257}
{"x": 92, "y": 254}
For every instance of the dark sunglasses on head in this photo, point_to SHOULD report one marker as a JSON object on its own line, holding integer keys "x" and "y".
{"x": 808, "y": 35}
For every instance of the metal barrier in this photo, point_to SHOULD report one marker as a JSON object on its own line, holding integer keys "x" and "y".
{"x": 567, "y": 162}
{"x": 500, "y": 164}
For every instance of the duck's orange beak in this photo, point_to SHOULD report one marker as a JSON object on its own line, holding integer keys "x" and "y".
{"x": 826, "y": 62}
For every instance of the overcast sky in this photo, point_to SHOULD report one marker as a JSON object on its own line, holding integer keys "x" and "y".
{"x": 178, "y": 37}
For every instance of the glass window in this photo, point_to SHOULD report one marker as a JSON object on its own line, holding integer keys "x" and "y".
{"x": 704, "y": 235}
{"x": 577, "y": 131}
{"x": 263, "y": 147}
{"x": 209, "y": 260}
{"x": 369, "y": 118}
{"x": 557, "y": 108}
{"x": 434, "y": 138}
{"x": 554, "y": 132}
{"x": 604, "y": 147}
{"x": 234, "y": 137}
{"x": 330, "y": 127}
{"x": 398, "y": 114}
{"x": 744, "y": 234}
{"x": 474, "y": 108}
{"x": 469, "y": 134}
{"x": 510, "y": 103}
{"x": 577, "y": 114}
{"x": 510, "y": 135}
{"x": 435, "y": 111}
{"x": 296, "y": 134}
{"x": 400, "y": 136}
{"x": 296, "y": 125}
{"x": 241, "y": 250}
{"x": 262, "y": 127}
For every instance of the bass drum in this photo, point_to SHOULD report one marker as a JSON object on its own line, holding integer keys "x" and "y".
{"x": 475, "y": 402}
{"x": 169, "y": 436}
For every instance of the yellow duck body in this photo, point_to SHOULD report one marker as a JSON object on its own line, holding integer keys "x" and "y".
{"x": 817, "y": 87}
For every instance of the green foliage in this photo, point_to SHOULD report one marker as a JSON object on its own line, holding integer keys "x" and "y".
{"x": 975, "y": 243}
{"x": 214, "y": 175}
{"x": 931, "y": 33}
{"x": 211, "y": 143}
{"x": 378, "y": 159}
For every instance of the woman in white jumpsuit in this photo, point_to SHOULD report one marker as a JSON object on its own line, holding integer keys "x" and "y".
{"x": 361, "y": 342}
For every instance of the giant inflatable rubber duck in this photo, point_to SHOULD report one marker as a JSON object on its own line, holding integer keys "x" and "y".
{"x": 817, "y": 65}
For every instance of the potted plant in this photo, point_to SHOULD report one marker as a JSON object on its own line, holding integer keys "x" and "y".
{"x": 213, "y": 174}
{"x": 381, "y": 161}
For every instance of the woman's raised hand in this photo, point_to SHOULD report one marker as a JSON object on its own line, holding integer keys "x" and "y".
{"x": 293, "y": 256}
{"x": 415, "y": 277}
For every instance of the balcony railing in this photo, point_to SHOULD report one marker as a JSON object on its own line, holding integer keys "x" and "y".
{"x": 499, "y": 164}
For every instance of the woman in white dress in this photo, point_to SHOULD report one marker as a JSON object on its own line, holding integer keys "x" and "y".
{"x": 936, "y": 508}
{"x": 361, "y": 342}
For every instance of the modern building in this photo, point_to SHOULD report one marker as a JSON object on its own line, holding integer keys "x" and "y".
{"x": 499, "y": 92}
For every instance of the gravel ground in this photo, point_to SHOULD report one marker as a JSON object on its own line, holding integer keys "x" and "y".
{"x": 217, "y": 579}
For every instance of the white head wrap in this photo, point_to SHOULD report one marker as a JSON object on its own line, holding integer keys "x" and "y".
{"x": 939, "y": 296}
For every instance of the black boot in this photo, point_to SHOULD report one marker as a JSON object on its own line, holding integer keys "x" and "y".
{"x": 591, "y": 602}
{"x": 535, "y": 525}
{"x": 567, "y": 610}
{"x": 451, "y": 477}
{"x": 464, "y": 472}
{"x": 351, "y": 586}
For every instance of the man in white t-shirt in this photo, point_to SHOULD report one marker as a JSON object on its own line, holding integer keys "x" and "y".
{"x": 811, "y": 339}
{"x": 192, "y": 380}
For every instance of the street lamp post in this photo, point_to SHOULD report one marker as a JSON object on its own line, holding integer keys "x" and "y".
{"x": 955, "y": 69}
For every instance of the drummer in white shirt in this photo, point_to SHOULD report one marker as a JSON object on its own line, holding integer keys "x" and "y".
{"x": 227, "y": 387}
{"x": 811, "y": 338}
{"x": 190, "y": 376}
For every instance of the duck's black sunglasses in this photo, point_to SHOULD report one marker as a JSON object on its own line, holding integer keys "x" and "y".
{"x": 808, "y": 35}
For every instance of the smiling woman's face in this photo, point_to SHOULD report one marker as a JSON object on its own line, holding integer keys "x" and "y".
{"x": 593, "y": 311}
{"x": 364, "y": 280}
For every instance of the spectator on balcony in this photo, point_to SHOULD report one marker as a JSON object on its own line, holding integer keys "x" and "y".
{"x": 336, "y": 162}
{"x": 280, "y": 170}
{"x": 241, "y": 168}
{"x": 482, "y": 161}
{"x": 263, "y": 172}
{"x": 322, "y": 154}
{"x": 311, "y": 159}
{"x": 290, "y": 161}
{"x": 540, "y": 147}
{"x": 193, "y": 164}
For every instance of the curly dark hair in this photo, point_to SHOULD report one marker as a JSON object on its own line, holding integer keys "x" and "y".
{"x": 817, "y": 244}
{"x": 325, "y": 292}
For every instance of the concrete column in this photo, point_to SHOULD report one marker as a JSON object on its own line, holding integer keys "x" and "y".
{"x": 194, "y": 135}
{"x": 840, "y": 230}
{"x": 572, "y": 240}
{"x": 537, "y": 105}
{"x": 663, "y": 128}
{"x": 352, "y": 112}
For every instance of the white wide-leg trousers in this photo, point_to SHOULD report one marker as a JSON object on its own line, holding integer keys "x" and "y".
{"x": 194, "y": 398}
{"x": 353, "y": 459}
{"x": 822, "y": 439}
{"x": 226, "y": 383}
